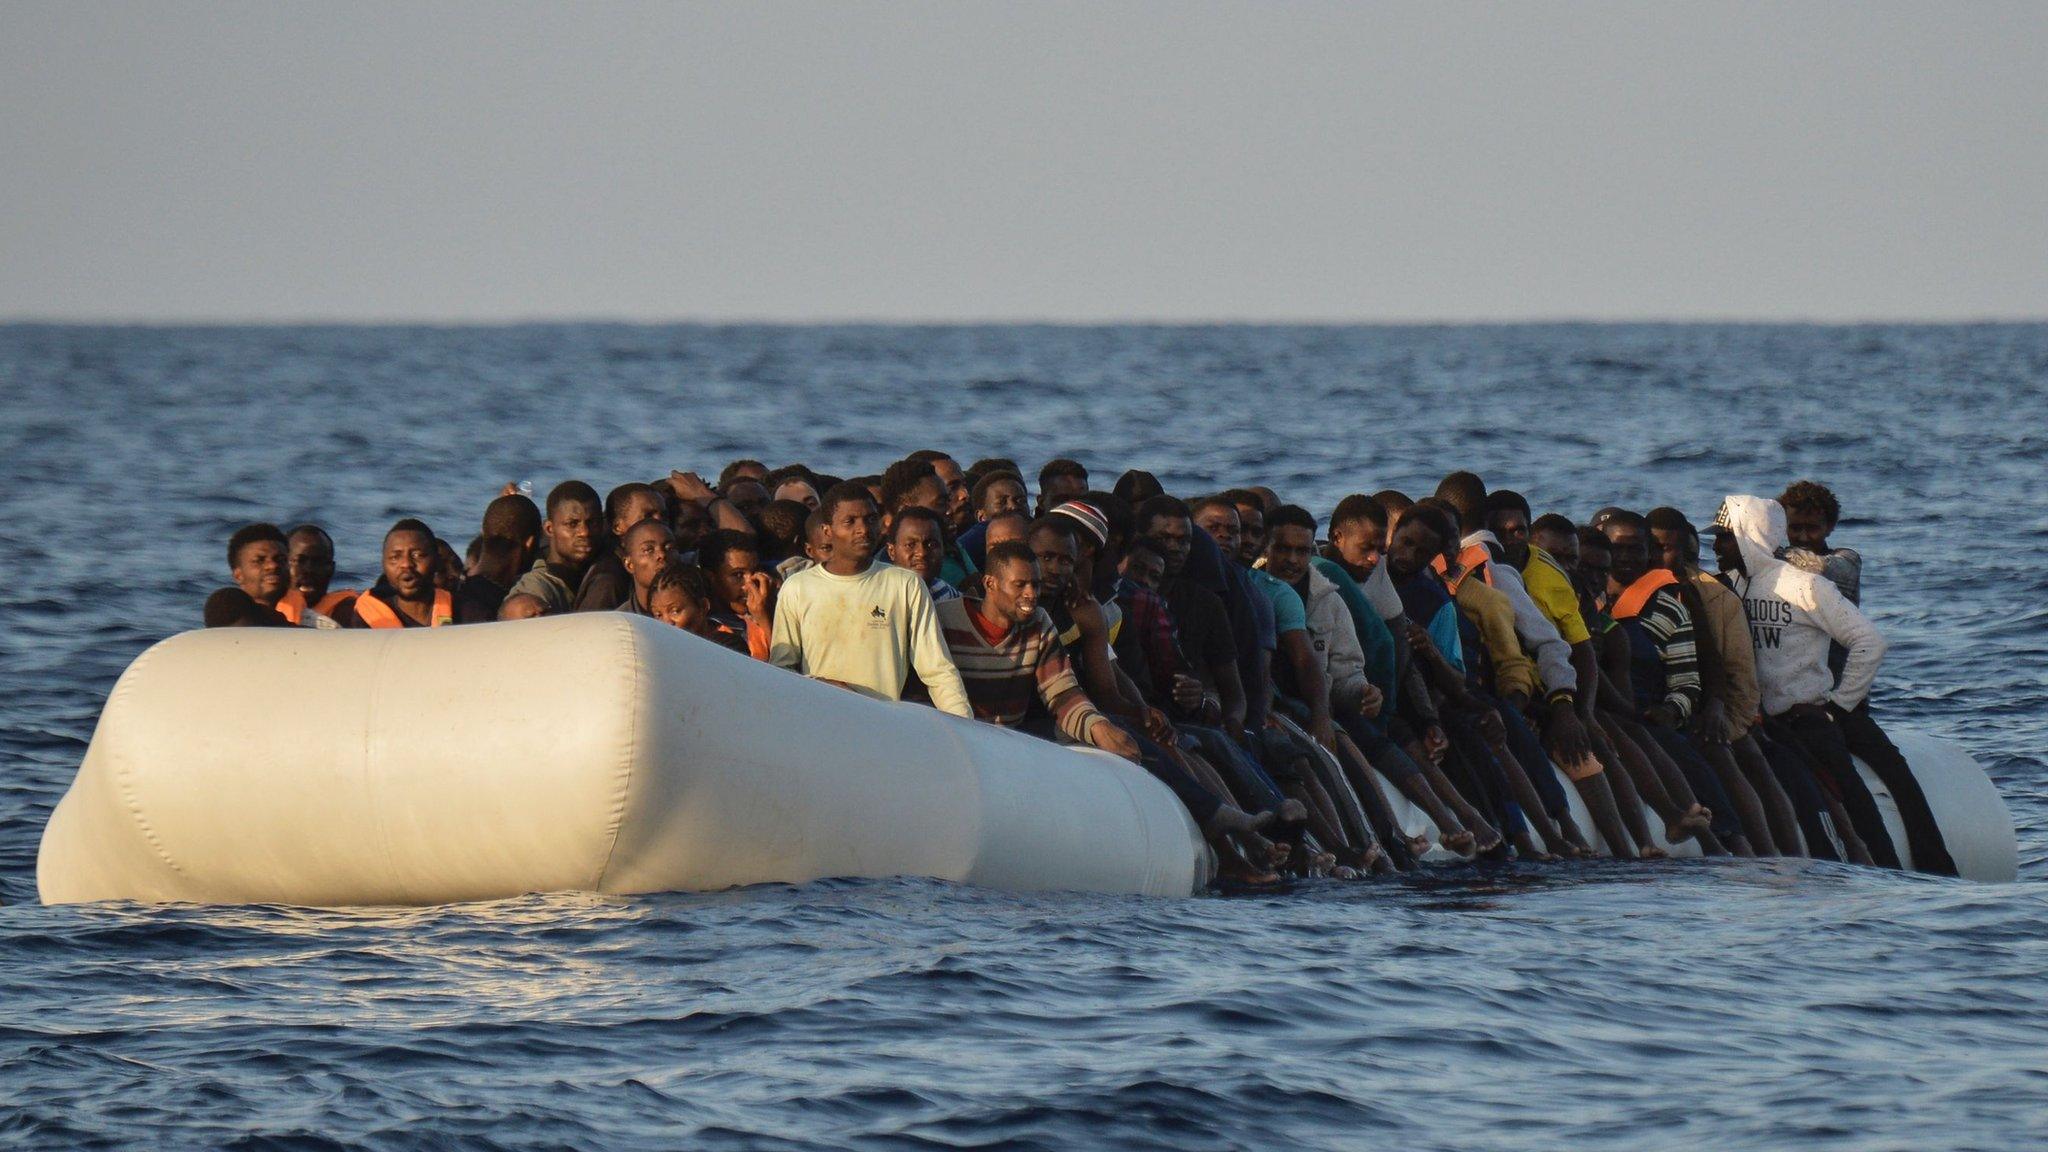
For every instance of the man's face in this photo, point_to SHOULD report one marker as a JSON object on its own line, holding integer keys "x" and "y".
{"x": 1727, "y": 553}
{"x": 1807, "y": 529}
{"x": 1010, "y": 591}
{"x": 956, "y": 511}
{"x": 1590, "y": 574}
{"x": 449, "y": 568}
{"x": 799, "y": 491}
{"x": 749, "y": 496}
{"x": 1413, "y": 548}
{"x": 1358, "y": 544}
{"x": 633, "y": 509}
{"x": 729, "y": 576}
{"x": 851, "y": 534}
{"x": 263, "y": 570}
{"x": 1631, "y": 552}
{"x": 1145, "y": 568}
{"x": 1251, "y": 534}
{"x": 1055, "y": 552}
{"x": 687, "y": 522}
{"x": 572, "y": 530}
{"x": 1289, "y": 548}
{"x": 1511, "y": 528}
{"x": 1001, "y": 496}
{"x": 1563, "y": 548}
{"x": 931, "y": 493}
{"x": 409, "y": 562}
{"x": 644, "y": 551}
{"x": 312, "y": 565}
{"x": 1174, "y": 537}
{"x": 1669, "y": 551}
{"x": 916, "y": 545}
{"x": 1220, "y": 522}
{"x": 677, "y": 607}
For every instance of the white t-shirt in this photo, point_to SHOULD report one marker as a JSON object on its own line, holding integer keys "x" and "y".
{"x": 867, "y": 631}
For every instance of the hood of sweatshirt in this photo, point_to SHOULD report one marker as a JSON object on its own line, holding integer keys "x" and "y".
{"x": 1758, "y": 524}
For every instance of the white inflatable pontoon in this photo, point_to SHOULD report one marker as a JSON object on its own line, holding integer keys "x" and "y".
{"x": 607, "y": 752}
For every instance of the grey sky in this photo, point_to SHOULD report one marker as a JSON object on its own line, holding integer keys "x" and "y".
{"x": 1023, "y": 161}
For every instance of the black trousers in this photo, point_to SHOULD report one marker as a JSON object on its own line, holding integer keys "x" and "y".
{"x": 1817, "y": 735}
{"x": 1795, "y": 775}
{"x": 1868, "y": 742}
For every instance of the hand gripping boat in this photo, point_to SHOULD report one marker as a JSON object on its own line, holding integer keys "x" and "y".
{"x": 607, "y": 752}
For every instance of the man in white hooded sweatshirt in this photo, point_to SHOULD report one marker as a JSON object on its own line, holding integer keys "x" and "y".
{"x": 1794, "y": 615}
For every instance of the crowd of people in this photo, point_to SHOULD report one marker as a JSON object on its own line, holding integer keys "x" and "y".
{"x": 1279, "y": 671}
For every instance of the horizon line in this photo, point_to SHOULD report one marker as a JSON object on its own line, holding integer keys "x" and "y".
{"x": 654, "y": 321}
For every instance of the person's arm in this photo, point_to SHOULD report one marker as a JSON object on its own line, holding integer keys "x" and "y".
{"x": 690, "y": 486}
{"x": 1670, "y": 626}
{"x": 1553, "y": 657}
{"x": 1850, "y": 628}
{"x": 1617, "y": 690}
{"x": 1059, "y": 689}
{"x": 1314, "y": 686}
{"x": 786, "y": 639}
{"x": 1230, "y": 690}
{"x": 1097, "y": 666}
{"x": 928, "y": 652}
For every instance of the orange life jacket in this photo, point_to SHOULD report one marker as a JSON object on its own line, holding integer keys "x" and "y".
{"x": 377, "y": 614}
{"x": 293, "y": 606}
{"x": 1632, "y": 601}
{"x": 1473, "y": 558}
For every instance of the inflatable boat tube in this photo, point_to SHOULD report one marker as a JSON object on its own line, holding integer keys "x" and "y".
{"x": 1975, "y": 823}
{"x": 601, "y": 752}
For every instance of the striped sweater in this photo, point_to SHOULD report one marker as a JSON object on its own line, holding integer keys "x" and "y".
{"x": 1666, "y": 667}
{"x": 1003, "y": 676}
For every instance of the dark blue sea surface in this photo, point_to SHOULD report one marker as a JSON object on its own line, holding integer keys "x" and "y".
{"x": 1691, "y": 1004}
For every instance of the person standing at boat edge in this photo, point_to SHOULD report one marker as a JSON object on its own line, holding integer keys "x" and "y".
{"x": 859, "y": 624}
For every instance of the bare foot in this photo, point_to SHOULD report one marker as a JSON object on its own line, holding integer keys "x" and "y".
{"x": 1419, "y": 844}
{"x": 1652, "y": 852}
{"x": 1461, "y": 842}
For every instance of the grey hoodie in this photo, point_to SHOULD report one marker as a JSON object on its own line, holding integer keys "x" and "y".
{"x": 1793, "y": 615}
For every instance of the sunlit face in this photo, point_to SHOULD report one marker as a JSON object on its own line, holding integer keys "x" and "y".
{"x": 1807, "y": 529}
{"x": 1289, "y": 548}
{"x": 312, "y": 565}
{"x": 1358, "y": 544}
{"x": 1010, "y": 590}
{"x": 1251, "y": 533}
{"x": 917, "y": 545}
{"x": 676, "y": 606}
{"x": 1220, "y": 522}
{"x": 956, "y": 512}
{"x": 263, "y": 570}
{"x": 851, "y": 534}
{"x": 409, "y": 562}
{"x": 729, "y": 576}
{"x": 1631, "y": 555}
{"x": 645, "y": 551}
{"x": 1055, "y": 552}
{"x": 1146, "y": 568}
{"x": 1000, "y": 497}
{"x": 1414, "y": 547}
{"x": 1174, "y": 537}
{"x": 572, "y": 530}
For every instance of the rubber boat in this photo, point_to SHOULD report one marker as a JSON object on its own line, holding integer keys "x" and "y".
{"x": 607, "y": 752}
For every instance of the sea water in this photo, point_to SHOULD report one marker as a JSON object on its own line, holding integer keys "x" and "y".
{"x": 1763, "y": 1004}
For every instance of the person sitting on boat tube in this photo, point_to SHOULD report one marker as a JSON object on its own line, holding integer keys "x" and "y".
{"x": 859, "y": 624}
{"x": 1794, "y": 616}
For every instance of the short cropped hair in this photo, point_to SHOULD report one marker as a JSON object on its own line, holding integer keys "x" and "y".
{"x": 1161, "y": 507}
{"x": 410, "y": 524}
{"x": 988, "y": 464}
{"x": 514, "y": 517}
{"x": 929, "y": 455}
{"x": 1393, "y": 500}
{"x": 1356, "y": 507}
{"x": 1465, "y": 492}
{"x": 1812, "y": 496}
{"x": 1291, "y": 516}
{"x": 980, "y": 489}
{"x": 1554, "y": 523}
{"x": 714, "y": 547}
{"x": 1433, "y": 516}
{"x": 252, "y": 534}
{"x": 1667, "y": 519}
{"x": 310, "y": 529}
{"x": 618, "y": 496}
{"x": 1062, "y": 466}
{"x": 571, "y": 492}
{"x": 1009, "y": 551}
{"x": 844, "y": 492}
{"x": 1138, "y": 486}
{"x": 1626, "y": 519}
{"x": 902, "y": 478}
{"x": 1219, "y": 500}
{"x": 913, "y": 513}
{"x": 1064, "y": 525}
{"x": 734, "y": 470}
{"x": 782, "y": 522}
{"x": 1506, "y": 500}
